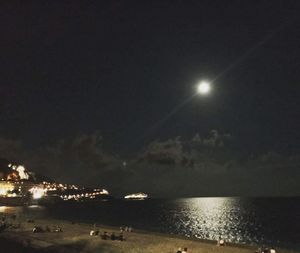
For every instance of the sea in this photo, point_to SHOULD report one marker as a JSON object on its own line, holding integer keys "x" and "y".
{"x": 255, "y": 221}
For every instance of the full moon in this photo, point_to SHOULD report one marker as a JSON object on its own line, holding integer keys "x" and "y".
{"x": 203, "y": 88}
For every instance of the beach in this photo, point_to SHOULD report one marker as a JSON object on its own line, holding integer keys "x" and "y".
{"x": 75, "y": 237}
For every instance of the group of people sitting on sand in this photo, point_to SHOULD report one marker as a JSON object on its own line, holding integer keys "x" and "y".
{"x": 180, "y": 250}
{"x": 264, "y": 249}
{"x": 40, "y": 229}
{"x": 112, "y": 236}
{"x": 125, "y": 229}
{"x": 106, "y": 236}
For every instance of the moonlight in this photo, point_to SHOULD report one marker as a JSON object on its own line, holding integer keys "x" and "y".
{"x": 203, "y": 88}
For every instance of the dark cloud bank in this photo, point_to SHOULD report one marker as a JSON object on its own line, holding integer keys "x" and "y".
{"x": 207, "y": 165}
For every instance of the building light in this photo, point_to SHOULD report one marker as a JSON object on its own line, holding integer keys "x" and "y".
{"x": 37, "y": 192}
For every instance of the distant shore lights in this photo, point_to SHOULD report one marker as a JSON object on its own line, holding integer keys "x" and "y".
{"x": 37, "y": 192}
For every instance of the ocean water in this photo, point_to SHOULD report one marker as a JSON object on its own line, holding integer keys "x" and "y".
{"x": 258, "y": 221}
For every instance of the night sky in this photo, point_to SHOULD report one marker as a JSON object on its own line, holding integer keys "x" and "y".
{"x": 119, "y": 67}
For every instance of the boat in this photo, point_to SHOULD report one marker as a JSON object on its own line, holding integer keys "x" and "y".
{"x": 136, "y": 196}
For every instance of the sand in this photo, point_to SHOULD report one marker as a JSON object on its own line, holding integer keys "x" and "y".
{"x": 75, "y": 238}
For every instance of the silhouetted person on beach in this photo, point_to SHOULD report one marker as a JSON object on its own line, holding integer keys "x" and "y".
{"x": 104, "y": 236}
{"x": 121, "y": 236}
{"x": 113, "y": 236}
{"x": 3, "y": 226}
{"x": 221, "y": 242}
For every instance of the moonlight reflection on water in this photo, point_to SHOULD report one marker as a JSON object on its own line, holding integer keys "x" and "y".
{"x": 211, "y": 218}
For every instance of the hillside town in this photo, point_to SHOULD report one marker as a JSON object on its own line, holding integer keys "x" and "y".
{"x": 19, "y": 186}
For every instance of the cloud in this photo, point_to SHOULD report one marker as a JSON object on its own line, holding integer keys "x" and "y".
{"x": 81, "y": 159}
{"x": 204, "y": 165}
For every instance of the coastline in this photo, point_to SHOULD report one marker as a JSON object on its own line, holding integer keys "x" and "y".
{"x": 75, "y": 238}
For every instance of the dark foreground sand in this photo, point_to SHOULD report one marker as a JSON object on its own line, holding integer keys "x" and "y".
{"x": 76, "y": 238}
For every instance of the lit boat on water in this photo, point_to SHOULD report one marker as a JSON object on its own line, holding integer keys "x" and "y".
{"x": 136, "y": 196}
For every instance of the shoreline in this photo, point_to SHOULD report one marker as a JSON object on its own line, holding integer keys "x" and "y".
{"x": 75, "y": 238}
